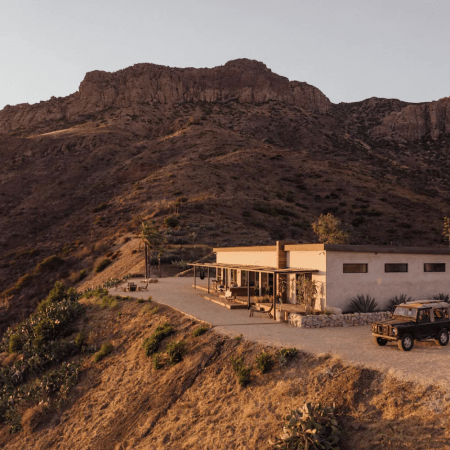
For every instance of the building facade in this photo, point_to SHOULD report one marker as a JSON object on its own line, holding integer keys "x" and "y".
{"x": 340, "y": 272}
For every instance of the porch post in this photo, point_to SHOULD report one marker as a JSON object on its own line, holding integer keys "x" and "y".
{"x": 248, "y": 288}
{"x": 208, "y": 279}
{"x": 195, "y": 277}
{"x": 274, "y": 296}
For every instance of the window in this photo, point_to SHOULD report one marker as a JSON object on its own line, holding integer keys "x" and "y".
{"x": 434, "y": 267}
{"x": 424, "y": 315}
{"x": 355, "y": 268}
{"x": 396, "y": 267}
{"x": 440, "y": 314}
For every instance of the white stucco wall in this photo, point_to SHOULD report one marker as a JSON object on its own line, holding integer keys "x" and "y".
{"x": 376, "y": 283}
{"x": 255, "y": 258}
{"x": 315, "y": 260}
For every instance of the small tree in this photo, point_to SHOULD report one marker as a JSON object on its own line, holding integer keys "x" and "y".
{"x": 155, "y": 242}
{"x": 328, "y": 230}
{"x": 306, "y": 292}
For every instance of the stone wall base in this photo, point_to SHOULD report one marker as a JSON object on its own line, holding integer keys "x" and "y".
{"x": 336, "y": 320}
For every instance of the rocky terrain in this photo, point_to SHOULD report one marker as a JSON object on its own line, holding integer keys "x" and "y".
{"x": 237, "y": 154}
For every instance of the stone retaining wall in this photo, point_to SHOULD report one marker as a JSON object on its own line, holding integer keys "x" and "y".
{"x": 336, "y": 320}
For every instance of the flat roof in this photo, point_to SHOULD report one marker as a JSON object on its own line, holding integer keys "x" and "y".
{"x": 264, "y": 269}
{"x": 342, "y": 248}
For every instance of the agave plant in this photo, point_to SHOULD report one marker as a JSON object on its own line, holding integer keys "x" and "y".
{"x": 363, "y": 304}
{"x": 394, "y": 301}
{"x": 442, "y": 297}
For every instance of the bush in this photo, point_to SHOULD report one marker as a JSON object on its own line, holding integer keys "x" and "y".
{"x": 242, "y": 371}
{"x": 311, "y": 427}
{"x": 284, "y": 355}
{"x": 109, "y": 301}
{"x": 363, "y": 304}
{"x": 104, "y": 351}
{"x": 394, "y": 301}
{"x": 175, "y": 351}
{"x": 51, "y": 263}
{"x": 264, "y": 362}
{"x": 442, "y": 297}
{"x": 83, "y": 274}
{"x": 156, "y": 361}
{"x": 48, "y": 323}
{"x": 102, "y": 265}
{"x": 171, "y": 222}
{"x": 199, "y": 331}
{"x": 151, "y": 343}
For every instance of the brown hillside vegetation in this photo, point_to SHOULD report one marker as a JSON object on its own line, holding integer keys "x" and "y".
{"x": 123, "y": 402}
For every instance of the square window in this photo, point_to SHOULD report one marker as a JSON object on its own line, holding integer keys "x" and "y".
{"x": 355, "y": 268}
{"x": 396, "y": 268}
{"x": 434, "y": 267}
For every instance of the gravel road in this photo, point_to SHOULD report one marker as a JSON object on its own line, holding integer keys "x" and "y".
{"x": 427, "y": 362}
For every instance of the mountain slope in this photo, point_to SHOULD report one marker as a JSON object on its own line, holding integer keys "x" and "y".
{"x": 238, "y": 154}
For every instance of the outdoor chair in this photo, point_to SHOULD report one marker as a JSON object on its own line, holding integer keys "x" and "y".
{"x": 143, "y": 288}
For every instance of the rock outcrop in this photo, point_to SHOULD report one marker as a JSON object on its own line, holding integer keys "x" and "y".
{"x": 243, "y": 80}
{"x": 417, "y": 121}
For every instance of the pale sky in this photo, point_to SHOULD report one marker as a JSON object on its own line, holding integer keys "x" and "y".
{"x": 349, "y": 49}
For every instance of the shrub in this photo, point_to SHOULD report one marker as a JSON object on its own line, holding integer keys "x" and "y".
{"x": 175, "y": 351}
{"x": 394, "y": 301}
{"x": 140, "y": 300}
{"x": 102, "y": 265}
{"x": 104, "y": 351}
{"x": 312, "y": 427}
{"x": 364, "y": 304}
{"x": 156, "y": 361}
{"x": 284, "y": 355}
{"x": 264, "y": 362}
{"x": 109, "y": 301}
{"x": 51, "y": 263}
{"x": 171, "y": 222}
{"x": 151, "y": 343}
{"x": 58, "y": 293}
{"x": 199, "y": 331}
{"x": 83, "y": 274}
{"x": 242, "y": 371}
{"x": 442, "y": 297}
{"x": 239, "y": 338}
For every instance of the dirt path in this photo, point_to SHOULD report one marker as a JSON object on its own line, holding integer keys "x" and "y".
{"x": 427, "y": 362}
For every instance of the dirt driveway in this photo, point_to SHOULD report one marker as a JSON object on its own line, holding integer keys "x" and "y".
{"x": 427, "y": 362}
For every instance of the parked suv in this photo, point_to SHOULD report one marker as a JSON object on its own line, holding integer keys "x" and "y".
{"x": 417, "y": 320}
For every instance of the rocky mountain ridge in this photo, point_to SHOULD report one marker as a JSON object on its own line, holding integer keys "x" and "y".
{"x": 243, "y": 80}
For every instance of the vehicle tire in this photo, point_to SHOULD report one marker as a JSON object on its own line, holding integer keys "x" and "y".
{"x": 406, "y": 343}
{"x": 379, "y": 341}
{"x": 442, "y": 338}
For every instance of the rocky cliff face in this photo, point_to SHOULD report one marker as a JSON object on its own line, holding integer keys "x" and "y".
{"x": 417, "y": 121}
{"x": 244, "y": 80}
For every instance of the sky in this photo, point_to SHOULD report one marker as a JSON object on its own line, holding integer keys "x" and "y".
{"x": 349, "y": 49}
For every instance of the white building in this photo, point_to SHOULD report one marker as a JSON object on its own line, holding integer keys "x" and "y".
{"x": 340, "y": 271}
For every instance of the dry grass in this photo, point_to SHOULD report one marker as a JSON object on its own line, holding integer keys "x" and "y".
{"x": 199, "y": 404}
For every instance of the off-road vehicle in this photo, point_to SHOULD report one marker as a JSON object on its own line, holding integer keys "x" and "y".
{"x": 417, "y": 320}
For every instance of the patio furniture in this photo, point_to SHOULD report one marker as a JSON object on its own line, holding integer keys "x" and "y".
{"x": 143, "y": 288}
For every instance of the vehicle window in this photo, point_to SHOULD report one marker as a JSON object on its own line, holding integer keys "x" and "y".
{"x": 410, "y": 313}
{"x": 424, "y": 315}
{"x": 441, "y": 313}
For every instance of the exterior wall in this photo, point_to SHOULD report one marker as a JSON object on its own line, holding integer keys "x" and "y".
{"x": 255, "y": 258}
{"x": 312, "y": 259}
{"x": 376, "y": 283}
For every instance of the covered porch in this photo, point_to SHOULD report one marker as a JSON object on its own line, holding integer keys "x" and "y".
{"x": 248, "y": 282}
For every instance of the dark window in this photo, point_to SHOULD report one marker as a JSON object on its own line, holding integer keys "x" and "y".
{"x": 440, "y": 314}
{"x": 434, "y": 267}
{"x": 396, "y": 267}
{"x": 355, "y": 268}
{"x": 424, "y": 315}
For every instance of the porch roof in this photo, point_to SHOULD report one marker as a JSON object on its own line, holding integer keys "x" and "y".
{"x": 263, "y": 269}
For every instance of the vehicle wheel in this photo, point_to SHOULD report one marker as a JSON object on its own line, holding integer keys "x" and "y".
{"x": 406, "y": 343}
{"x": 379, "y": 341}
{"x": 442, "y": 338}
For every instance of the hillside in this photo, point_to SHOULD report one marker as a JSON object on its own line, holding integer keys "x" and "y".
{"x": 123, "y": 402}
{"x": 238, "y": 154}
